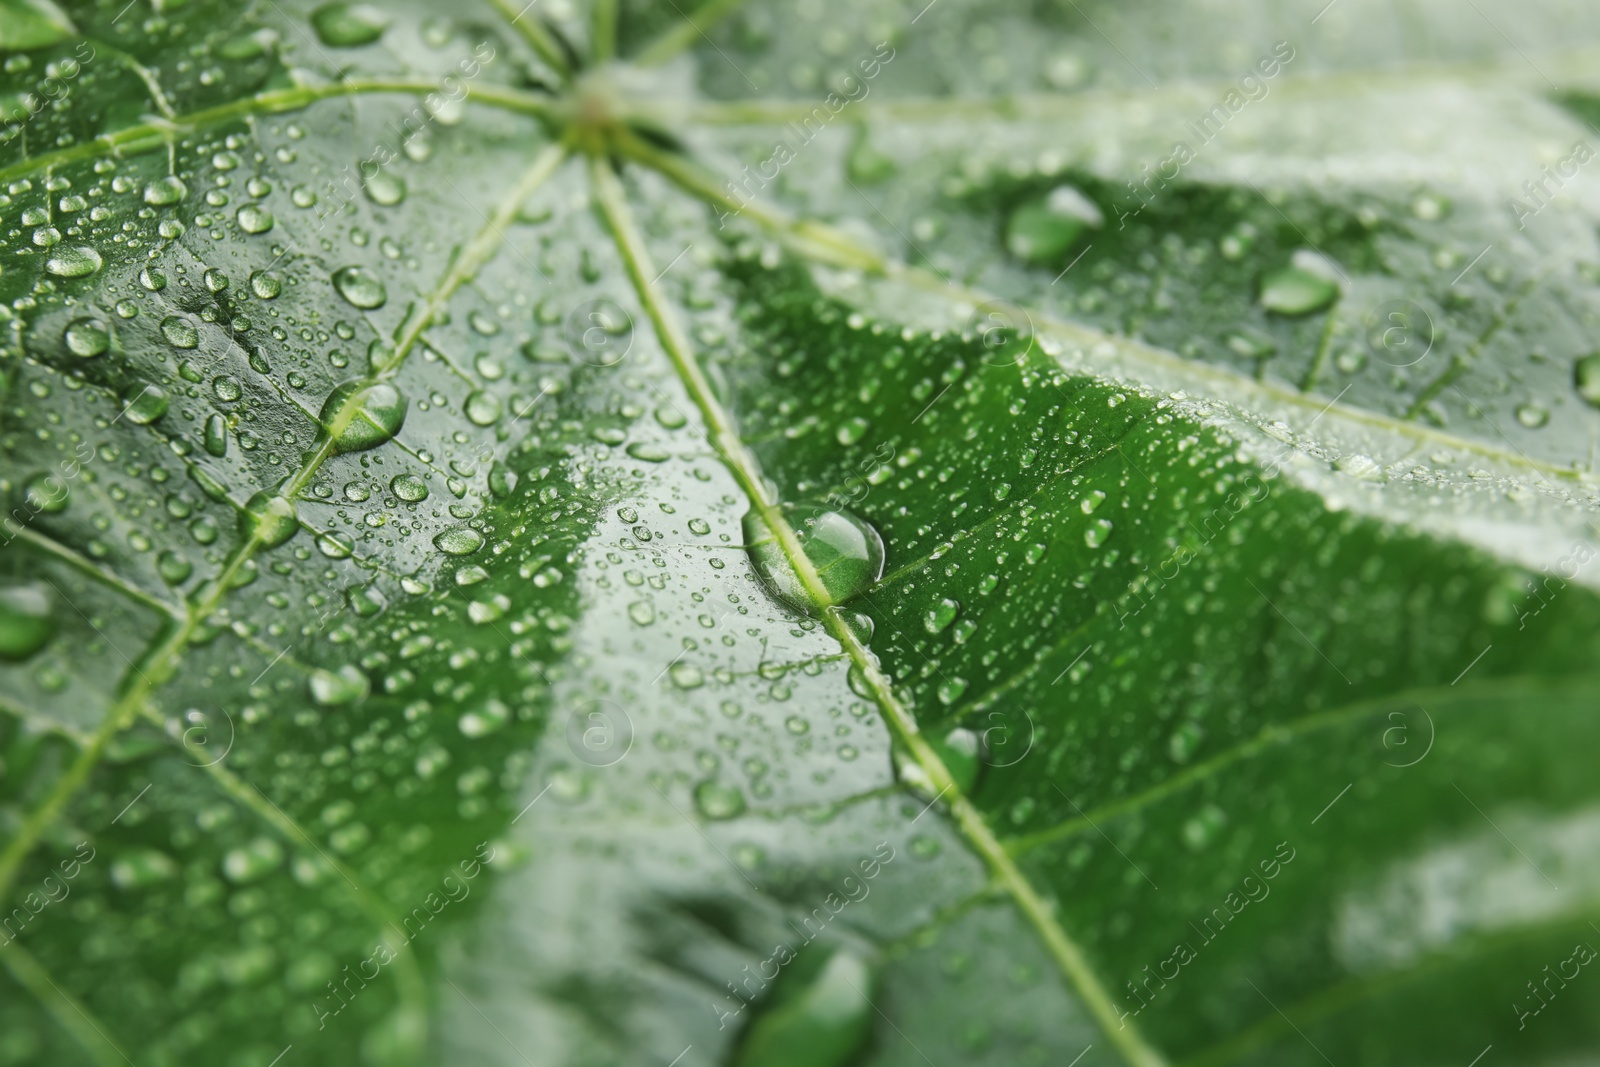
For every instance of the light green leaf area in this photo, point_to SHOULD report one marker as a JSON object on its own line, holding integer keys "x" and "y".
{"x": 500, "y": 568}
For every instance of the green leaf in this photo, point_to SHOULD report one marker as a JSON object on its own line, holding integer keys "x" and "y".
{"x": 542, "y": 535}
{"x": 30, "y": 24}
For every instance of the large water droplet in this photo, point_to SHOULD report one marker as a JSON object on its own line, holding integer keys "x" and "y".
{"x": 409, "y": 487}
{"x": 46, "y": 493}
{"x": 379, "y": 413}
{"x": 818, "y": 1012}
{"x": 77, "y": 261}
{"x": 87, "y": 338}
{"x": 269, "y": 518}
{"x": 385, "y": 189}
{"x": 360, "y": 287}
{"x": 343, "y": 686}
{"x": 459, "y": 541}
{"x": 163, "y": 192}
{"x": 216, "y": 436}
{"x": 348, "y": 25}
{"x": 846, "y": 552}
{"x": 1043, "y": 229}
{"x": 1586, "y": 377}
{"x": 26, "y": 625}
{"x": 255, "y": 860}
{"x": 141, "y": 867}
{"x": 482, "y": 408}
{"x": 255, "y": 219}
{"x": 144, "y": 404}
{"x": 717, "y": 799}
{"x": 180, "y": 332}
{"x": 1295, "y": 291}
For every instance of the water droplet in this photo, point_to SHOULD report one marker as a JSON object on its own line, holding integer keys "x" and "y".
{"x": 1293, "y": 291}
{"x": 180, "y": 332}
{"x": 141, "y": 867}
{"x": 852, "y": 430}
{"x": 716, "y": 799}
{"x": 1184, "y": 741}
{"x": 372, "y": 413}
{"x": 78, "y": 261}
{"x": 1043, "y": 229}
{"x": 1091, "y": 503}
{"x": 46, "y": 493}
{"x": 1203, "y": 827}
{"x": 226, "y": 387}
{"x": 628, "y": 515}
{"x": 845, "y": 551}
{"x": 482, "y": 408}
{"x": 253, "y": 861}
{"x": 255, "y": 219}
{"x": 409, "y": 487}
{"x": 87, "y": 338}
{"x": 1586, "y": 377}
{"x": 341, "y": 25}
{"x": 144, "y": 405}
{"x": 384, "y": 189}
{"x": 343, "y": 686}
{"x": 216, "y": 436}
{"x": 485, "y": 720}
{"x": 164, "y": 192}
{"x": 642, "y": 612}
{"x": 459, "y": 541}
{"x": 360, "y": 287}
{"x": 1532, "y": 415}
{"x": 648, "y": 452}
{"x": 26, "y": 625}
{"x": 173, "y": 568}
{"x": 686, "y": 675}
{"x": 269, "y": 518}
{"x": 941, "y": 615}
{"x": 1096, "y": 534}
{"x": 265, "y": 285}
{"x": 482, "y": 611}
{"x": 819, "y": 1013}
{"x": 699, "y": 526}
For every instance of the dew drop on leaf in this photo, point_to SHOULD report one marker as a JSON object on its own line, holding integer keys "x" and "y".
{"x": 1586, "y": 378}
{"x": 360, "y": 287}
{"x": 145, "y": 404}
{"x": 343, "y": 686}
{"x": 819, "y": 1013}
{"x": 340, "y": 25}
{"x": 180, "y": 332}
{"x": 26, "y": 624}
{"x": 215, "y": 435}
{"x": 1293, "y": 291}
{"x": 458, "y": 541}
{"x": 716, "y": 799}
{"x": 265, "y": 285}
{"x": 360, "y": 415}
{"x": 253, "y": 861}
{"x": 1044, "y": 229}
{"x": 46, "y": 493}
{"x": 482, "y": 408}
{"x": 409, "y": 487}
{"x": 384, "y": 189}
{"x": 269, "y": 518}
{"x": 87, "y": 338}
{"x": 845, "y": 550}
{"x": 941, "y": 615}
{"x": 142, "y": 867}
{"x": 76, "y": 261}
{"x": 163, "y": 192}
{"x": 254, "y": 219}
